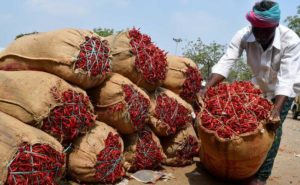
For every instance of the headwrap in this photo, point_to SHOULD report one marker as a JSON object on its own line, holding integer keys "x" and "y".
{"x": 264, "y": 19}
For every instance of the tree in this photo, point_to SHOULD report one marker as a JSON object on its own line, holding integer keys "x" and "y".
{"x": 240, "y": 72}
{"x": 293, "y": 22}
{"x": 204, "y": 55}
{"x": 24, "y": 34}
{"x": 104, "y": 32}
{"x": 208, "y": 55}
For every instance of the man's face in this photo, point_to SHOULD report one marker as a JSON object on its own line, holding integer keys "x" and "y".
{"x": 263, "y": 35}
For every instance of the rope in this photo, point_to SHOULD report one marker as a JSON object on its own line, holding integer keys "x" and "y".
{"x": 171, "y": 112}
{"x": 94, "y": 56}
{"x": 109, "y": 160}
{"x": 72, "y": 117}
{"x": 145, "y": 65}
{"x": 148, "y": 153}
{"x": 37, "y": 164}
{"x": 135, "y": 101}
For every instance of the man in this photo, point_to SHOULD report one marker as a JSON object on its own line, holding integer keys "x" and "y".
{"x": 273, "y": 54}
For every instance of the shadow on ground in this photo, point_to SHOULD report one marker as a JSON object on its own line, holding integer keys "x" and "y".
{"x": 200, "y": 176}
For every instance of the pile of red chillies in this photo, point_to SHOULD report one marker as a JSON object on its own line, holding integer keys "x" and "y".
{"x": 35, "y": 164}
{"x": 150, "y": 60}
{"x": 148, "y": 154}
{"x": 137, "y": 106}
{"x": 109, "y": 160}
{"x": 94, "y": 57}
{"x": 234, "y": 109}
{"x": 191, "y": 85}
{"x": 171, "y": 112}
{"x": 72, "y": 117}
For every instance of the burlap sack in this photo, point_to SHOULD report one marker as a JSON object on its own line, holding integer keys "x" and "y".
{"x": 160, "y": 127}
{"x": 135, "y": 145}
{"x": 83, "y": 162}
{"x": 237, "y": 158}
{"x": 181, "y": 148}
{"x": 123, "y": 61}
{"x": 13, "y": 133}
{"x": 55, "y": 52}
{"x": 176, "y": 75}
{"x": 28, "y": 95}
{"x": 109, "y": 96}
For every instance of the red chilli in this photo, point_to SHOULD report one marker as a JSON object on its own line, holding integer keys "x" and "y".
{"x": 109, "y": 160}
{"x": 148, "y": 154}
{"x": 234, "y": 109}
{"x": 150, "y": 60}
{"x": 172, "y": 113}
{"x": 74, "y": 116}
{"x": 94, "y": 57}
{"x": 137, "y": 106}
{"x": 192, "y": 84}
{"x": 35, "y": 164}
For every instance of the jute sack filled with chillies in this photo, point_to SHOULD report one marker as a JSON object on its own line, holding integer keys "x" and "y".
{"x": 137, "y": 58}
{"x": 97, "y": 156}
{"x": 142, "y": 151}
{"x": 121, "y": 104}
{"x": 28, "y": 155}
{"x": 168, "y": 113}
{"x": 181, "y": 148}
{"x": 78, "y": 56}
{"x": 183, "y": 77}
{"x": 46, "y": 102}
{"x": 235, "y": 138}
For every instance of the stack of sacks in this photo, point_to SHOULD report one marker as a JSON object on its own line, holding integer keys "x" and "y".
{"x": 170, "y": 114}
{"x": 128, "y": 100}
{"x": 45, "y": 100}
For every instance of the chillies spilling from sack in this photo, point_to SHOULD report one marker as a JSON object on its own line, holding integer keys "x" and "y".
{"x": 148, "y": 154}
{"x": 190, "y": 148}
{"x": 171, "y": 112}
{"x": 181, "y": 147}
{"x": 74, "y": 116}
{"x": 191, "y": 85}
{"x": 137, "y": 105}
{"x": 109, "y": 165}
{"x": 150, "y": 60}
{"x": 94, "y": 57}
{"x": 35, "y": 164}
{"x": 234, "y": 109}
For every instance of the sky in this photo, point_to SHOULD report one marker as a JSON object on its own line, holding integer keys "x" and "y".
{"x": 163, "y": 20}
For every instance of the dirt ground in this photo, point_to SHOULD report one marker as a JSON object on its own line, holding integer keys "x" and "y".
{"x": 286, "y": 169}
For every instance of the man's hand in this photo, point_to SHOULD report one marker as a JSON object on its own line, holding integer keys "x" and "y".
{"x": 212, "y": 81}
{"x": 203, "y": 92}
{"x": 273, "y": 120}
